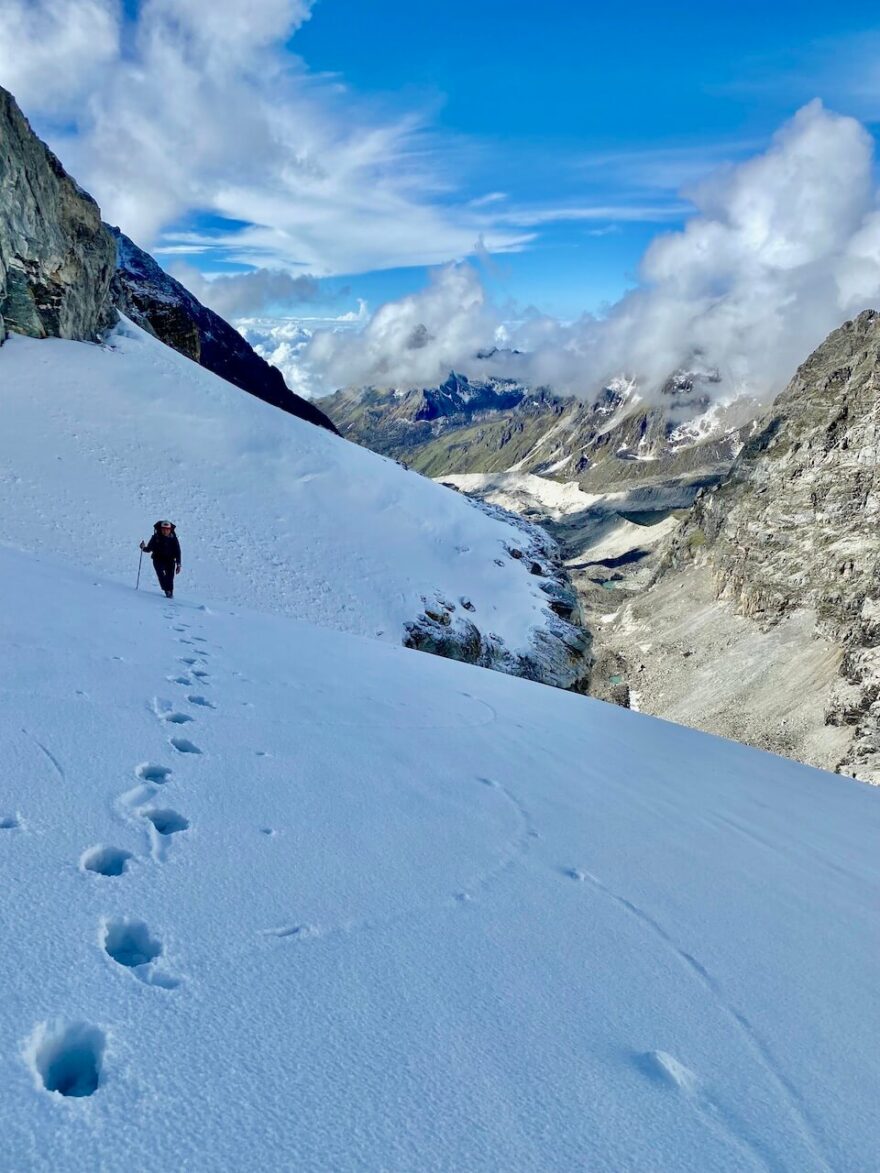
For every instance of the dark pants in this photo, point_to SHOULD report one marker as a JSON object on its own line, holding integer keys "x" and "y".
{"x": 165, "y": 574}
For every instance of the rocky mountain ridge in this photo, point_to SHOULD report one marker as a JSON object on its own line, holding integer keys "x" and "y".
{"x": 498, "y": 425}
{"x": 782, "y": 559}
{"x": 66, "y": 274}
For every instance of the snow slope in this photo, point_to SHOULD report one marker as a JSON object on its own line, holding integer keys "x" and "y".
{"x": 97, "y": 443}
{"x": 415, "y": 916}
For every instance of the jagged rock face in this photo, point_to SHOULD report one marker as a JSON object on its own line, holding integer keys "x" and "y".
{"x": 56, "y": 257}
{"x": 796, "y": 526}
{"x": 145, "y": 293}
{"x": 64, "y": 273}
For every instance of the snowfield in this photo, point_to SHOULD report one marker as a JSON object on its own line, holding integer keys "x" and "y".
{"x": 97, "y": 443}
{"x": 278, "y": 896}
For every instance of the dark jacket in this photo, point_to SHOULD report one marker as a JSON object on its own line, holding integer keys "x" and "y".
{"x": 164, "y": 547}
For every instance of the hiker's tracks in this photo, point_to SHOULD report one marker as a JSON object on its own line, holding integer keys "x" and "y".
{"x": 67, "y": 1059}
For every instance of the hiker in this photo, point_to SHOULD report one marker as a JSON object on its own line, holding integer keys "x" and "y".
{"x": 164, "y": 548}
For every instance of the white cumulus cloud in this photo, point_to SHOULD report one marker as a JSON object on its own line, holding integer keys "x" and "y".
{"x": 780, "y": 250}
{"x": 51, "y": 50}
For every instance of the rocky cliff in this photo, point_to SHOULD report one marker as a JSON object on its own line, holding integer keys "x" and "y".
{"x": 773, "y": 581}
{"x": 56, "y": 257}
{"x": 65, "y": 274}
{"x": 145, "y": 293}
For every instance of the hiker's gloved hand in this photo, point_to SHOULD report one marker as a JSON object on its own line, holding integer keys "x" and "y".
{"x": 143, "y": 547}
{"x": 177, "y": 568}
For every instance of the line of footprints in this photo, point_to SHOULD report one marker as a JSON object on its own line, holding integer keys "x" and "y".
{"x": 68, "y": 1058}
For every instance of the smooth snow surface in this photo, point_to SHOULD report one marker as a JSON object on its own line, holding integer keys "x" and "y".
{"x": 284, "y": 897}
{"x": 399, "y": 913}
{"x": 97, "y": 443}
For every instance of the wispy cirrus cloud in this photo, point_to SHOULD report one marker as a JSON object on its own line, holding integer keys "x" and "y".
{"x": 844, "y": 69}
{"x": 176, "y": 108}
{"x": 670, "y": 168}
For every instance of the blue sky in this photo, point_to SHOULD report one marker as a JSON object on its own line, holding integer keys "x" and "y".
{"x": 367, "y": 142}
{"x": 613, "y": 104}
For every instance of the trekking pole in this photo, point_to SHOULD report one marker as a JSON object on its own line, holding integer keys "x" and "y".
{"x": 140, "y": 560}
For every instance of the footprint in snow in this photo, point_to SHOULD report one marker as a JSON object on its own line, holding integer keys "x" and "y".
{"x": 9, "y": 822}
{"x": 202, "y": 701}
{"x": 166, "y": 822}
{"x": 177, "y": 718}
{"x": 164, "y": 710}
{"x": 66, "y": 1058}
{"x": 105, "y": 861}
{"x": 184, "y": 745}
{"x": 153, "y": 773}
{"x": 203, "y": 676}
{"x": 574, "y": 874}
{"x": 188, "y": 660}
{"x": 184, "y": 680}
{"x": 130, "y": 944}
{"x": 199, "y": 639}
{"x": 164, "y": 825}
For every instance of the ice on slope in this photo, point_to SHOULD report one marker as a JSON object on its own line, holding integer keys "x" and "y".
{"x": 97, "y": 443}
{"x": 407, "y": 914}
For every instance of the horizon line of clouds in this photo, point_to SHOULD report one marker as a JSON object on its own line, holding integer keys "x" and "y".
{"x": 782, "y": 247}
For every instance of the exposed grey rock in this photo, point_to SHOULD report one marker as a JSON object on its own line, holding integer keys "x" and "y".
{"x": 560, "y": 650}
{"x": 56, "y": 257}
{"x": 791, "y": 543}
{"x": 64, "y": 273}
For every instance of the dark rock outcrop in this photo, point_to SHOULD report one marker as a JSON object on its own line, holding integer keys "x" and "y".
{"x": 64, "y": 274}
{"x": 159, "y": 304}
{"x": 56, "y": 257}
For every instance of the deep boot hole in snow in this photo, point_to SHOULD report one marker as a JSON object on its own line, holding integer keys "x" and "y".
{"x": 167, "y": 822}
{"x": 105, "y": 861}
{"x": 129, "y": 942}
{"x": 183, "y": 745}
{"x": 178, "y": 718}
{"x": 151, "y": 773}
{"x": 8, "y": 822}
{"x": 68, "y": 1058}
